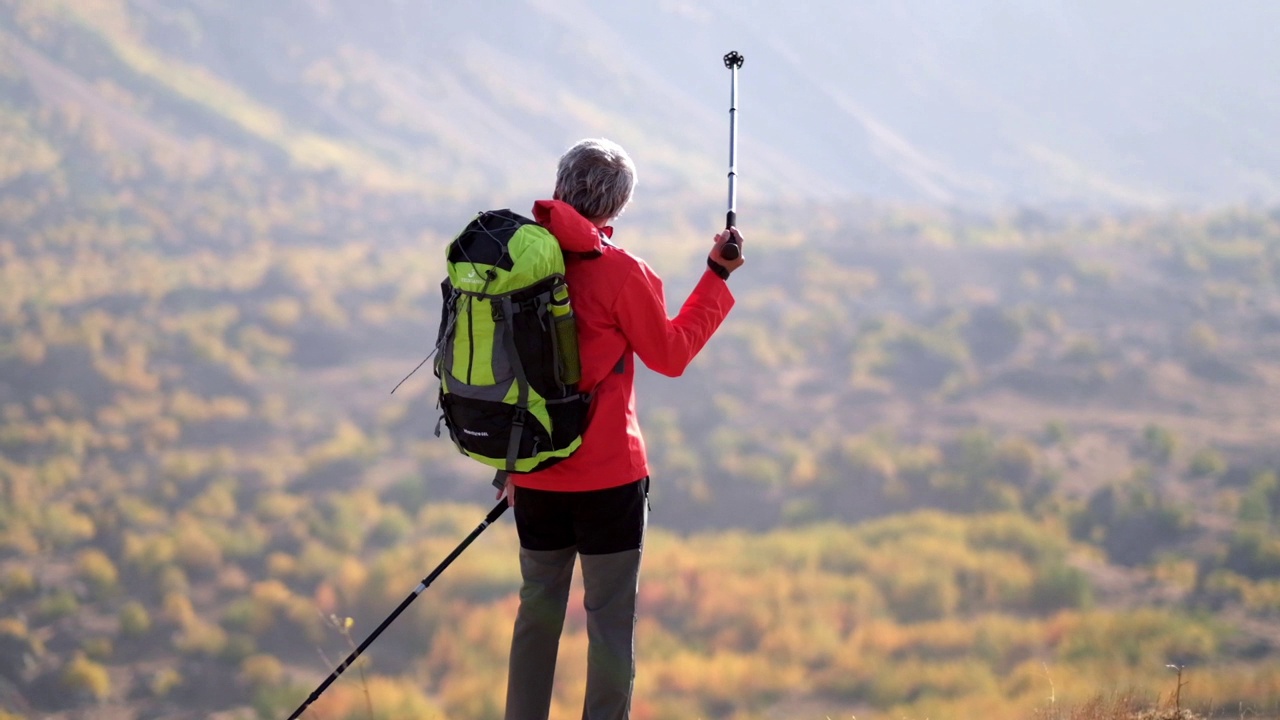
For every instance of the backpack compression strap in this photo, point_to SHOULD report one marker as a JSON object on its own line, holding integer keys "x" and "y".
{"x": 509, "y": 309}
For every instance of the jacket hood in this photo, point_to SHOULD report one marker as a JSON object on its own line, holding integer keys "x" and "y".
{"x": 575, "y": 233}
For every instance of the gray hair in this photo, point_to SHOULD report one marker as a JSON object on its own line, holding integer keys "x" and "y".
{"x": 596, "y": 177}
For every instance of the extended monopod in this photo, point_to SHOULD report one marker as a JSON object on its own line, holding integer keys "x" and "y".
{"x": 489, "y": 519}
{"x": 733, "y": 61}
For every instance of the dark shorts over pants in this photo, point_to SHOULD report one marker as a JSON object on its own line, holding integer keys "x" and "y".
{"x": 606, "y": 527}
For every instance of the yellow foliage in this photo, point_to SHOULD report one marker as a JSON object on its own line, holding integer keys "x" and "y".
{"x": 164, "y": 682}
{"x": 94, "y": 567}
{"x": 261, "y": 671}
{"x": 65, "y": 526}
{"x": 18, "y": 580}
{"x": 217, "y": 502}
{"x": 198, "y": 636}
{"x": 280, "y": 565}
{"x": 134, "y": 619}
{"x": 350, "y": 579}
{"x": 178, "y": 610}
{"x": 13, "y": 627}
{"x": 83, "y": 676}
{"x": 271, "y": 592}
{"x": 391, "y": 699}
{"x": 98, "y": 648}
{"x": 195, "y": 550}
{"x": 279, "y": 505}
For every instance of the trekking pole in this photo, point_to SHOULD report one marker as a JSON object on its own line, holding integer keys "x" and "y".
{"x": 730, "y": 250}
{"x": 491, "y": 518}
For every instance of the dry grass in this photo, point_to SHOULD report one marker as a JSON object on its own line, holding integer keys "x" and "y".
{"x": 1117, "y": 707}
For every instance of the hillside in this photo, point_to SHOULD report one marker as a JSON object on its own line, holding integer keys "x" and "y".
{"x": 974, "y": 106}
{"x": 938, "y": 462}
{"x": 1066, "y": 421}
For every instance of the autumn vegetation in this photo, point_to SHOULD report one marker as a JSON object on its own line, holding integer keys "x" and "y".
{"x": 935, "y": 464}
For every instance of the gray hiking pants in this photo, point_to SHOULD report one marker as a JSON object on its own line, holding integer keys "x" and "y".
{"x": 592, "y": 521}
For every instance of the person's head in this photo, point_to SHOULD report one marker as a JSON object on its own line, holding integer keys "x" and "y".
{"x": 596, "y": 177}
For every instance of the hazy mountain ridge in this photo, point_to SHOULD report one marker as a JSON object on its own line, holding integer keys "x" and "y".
{"x": 982, "y": 105}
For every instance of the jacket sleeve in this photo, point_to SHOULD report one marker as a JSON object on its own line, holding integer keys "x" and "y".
{"x": 667, "y": 345}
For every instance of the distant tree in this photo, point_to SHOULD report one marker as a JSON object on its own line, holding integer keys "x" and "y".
{"x": 1132, "y": 522}
{"x": 1158, "y": 444}
{"x": 393, "y": 527}
{"x": 85, "y": 678}
{"x": 1059, "y": 586}
{"x": 261, "y": 671}
{"x": 922, "y": 362}
{"x": 18, "y": 581}
{"x": 197, "y": 551}
{"x": 20, "y": 650}
{"x": 135, "y": 621}
{"x": 96, "y": 569}
{"x": 1254, "y": 553}
{"x": 200, "y": 637}
{"x": 1056, "y": 432}
{"x": 164, "y": 682}
{"x": 1207, "y": 462}
{"x": 98, "y": 647}
{"x": 1016, "y": 461}
{"x": 992, "y": 333}
{"x": 63, "y": 525}
{"x": 58, "y": 604}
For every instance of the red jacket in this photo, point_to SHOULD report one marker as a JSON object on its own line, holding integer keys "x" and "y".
{"x": 621, "y": 313}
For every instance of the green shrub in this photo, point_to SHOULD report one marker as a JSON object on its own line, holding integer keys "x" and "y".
{"x": 917, "y": 594}
{"x": 135, "y": 621}
{"x": 238, "y": 646}
{"x": 59, "y": 604}
{"x": 261, "y": 670}
{"x": 173, "y": 580}
{"x": 63, "y": 526}
{"x": 393, "y": 527}
{"x": 97, "y": 571}
{"x": 1207, "y": 462}
{"x": 15, "y": 634}
{"x": 1056, "y": 432}
{"x": 1058, "y": 587}
{"x": 98, "y": 647}
{"x": 1158, "y": 444}
{"x": 1254, "y": 553}
{"x": 86, "y": 678}
{"x": 164, "y": 682}
{"x": 201, "y": 638}
{"x": 18, "y": 581}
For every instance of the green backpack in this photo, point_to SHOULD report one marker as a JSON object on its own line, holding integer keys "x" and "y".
{"x": 507, "y": 349}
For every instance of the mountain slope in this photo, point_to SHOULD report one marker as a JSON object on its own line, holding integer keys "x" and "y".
{"x": 980, "y": 104}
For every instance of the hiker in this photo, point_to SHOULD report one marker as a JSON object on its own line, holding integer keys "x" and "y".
{"x": 595, "y": 502}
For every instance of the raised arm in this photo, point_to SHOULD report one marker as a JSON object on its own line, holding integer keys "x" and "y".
{"x": 667, "y": 345}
